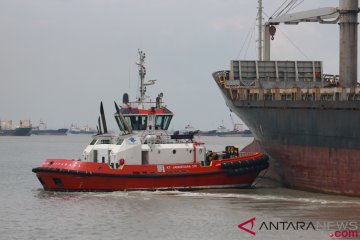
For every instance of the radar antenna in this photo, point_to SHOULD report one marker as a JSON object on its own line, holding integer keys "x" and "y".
{"x": 142, "y": 73}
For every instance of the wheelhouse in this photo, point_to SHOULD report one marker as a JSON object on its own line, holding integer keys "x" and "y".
{"x": 142, "y": 122}
{"x": 136, "y": 117}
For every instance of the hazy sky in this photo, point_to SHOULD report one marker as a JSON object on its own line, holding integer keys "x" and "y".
{"x": 60, "y": 58}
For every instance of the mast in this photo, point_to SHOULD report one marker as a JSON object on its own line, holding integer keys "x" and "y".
{"x": 260, "y": 30}
{"x": 142, "y": 73}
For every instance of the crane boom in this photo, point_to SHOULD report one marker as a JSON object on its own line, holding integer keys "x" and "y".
{"x": 347, "y": 16}
{"x": 316, "y": 15}
{"x": 321, "y": 15}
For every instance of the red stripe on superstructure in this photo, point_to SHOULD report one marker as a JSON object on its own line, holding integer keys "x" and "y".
{"x": 149, "y": 111}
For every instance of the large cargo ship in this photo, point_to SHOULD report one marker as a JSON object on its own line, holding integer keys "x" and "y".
{"x": 306, "y": 121}
{"x": 42, "y": 129}
{"x": 6, "y": 128}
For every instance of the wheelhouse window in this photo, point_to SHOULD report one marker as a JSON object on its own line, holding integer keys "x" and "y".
{"x": 137, "y": 122}
{"x": 162, "y": 122}
{"x": 105, "y": 141}
{"x": 120, "y": 123}
{"x": 100, "y": 141}
{"x": 119, "y": 141}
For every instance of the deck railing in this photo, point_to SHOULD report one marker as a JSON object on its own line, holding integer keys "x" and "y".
{"x": 255, "y": 91}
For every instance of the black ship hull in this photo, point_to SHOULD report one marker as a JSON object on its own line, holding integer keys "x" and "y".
{"x": 315, "y": 145}
{"x": 61, "y": 131}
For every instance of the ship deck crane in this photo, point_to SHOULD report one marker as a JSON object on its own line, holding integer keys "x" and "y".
{"x": 347, "y": 16}
{"x": 321, "y": 15}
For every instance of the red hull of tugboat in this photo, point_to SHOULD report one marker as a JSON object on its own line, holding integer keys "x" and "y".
{"x": 70, "y": 175}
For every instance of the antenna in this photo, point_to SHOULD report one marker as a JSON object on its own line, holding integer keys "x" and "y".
{"x": 260, "y": 31}
{"x": 142, "y": 73}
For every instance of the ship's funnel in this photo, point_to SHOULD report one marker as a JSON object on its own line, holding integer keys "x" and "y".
{"x": 349, "y": 10}
{"x": 126, "y": 98}
{"x": 103, "y": 117}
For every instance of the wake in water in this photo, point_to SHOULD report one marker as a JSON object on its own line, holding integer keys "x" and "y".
{"x": 258, "y": 194}
{"x": 271, "y": 195}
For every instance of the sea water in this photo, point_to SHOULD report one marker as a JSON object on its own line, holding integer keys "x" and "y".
{"x": 265, "y": 211}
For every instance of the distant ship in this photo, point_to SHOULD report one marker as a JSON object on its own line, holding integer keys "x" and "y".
{"x": 6, "y": 128}
{"x": 236, "y": 132}
{"x": 74, "y": 129}
{"x": 189, "y": 129}
{"x": 222, "y": 131}
{"x": 306, "y": 121}
{"x": 41, "y": 129}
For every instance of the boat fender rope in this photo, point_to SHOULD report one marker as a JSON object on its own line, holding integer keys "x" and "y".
{"x": 233, "y": 168}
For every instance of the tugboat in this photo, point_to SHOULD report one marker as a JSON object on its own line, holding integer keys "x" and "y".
{"x": 144, "y": 156}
